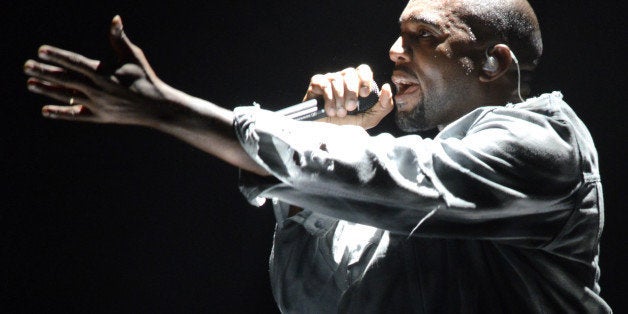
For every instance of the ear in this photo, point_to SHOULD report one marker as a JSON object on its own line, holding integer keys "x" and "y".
{"x": 502, "y": 59}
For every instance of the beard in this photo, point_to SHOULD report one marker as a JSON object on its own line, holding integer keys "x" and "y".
{"x": 420, "y": 118}
{"x": 432, "y": 109}
{"x": 412, "y": 121}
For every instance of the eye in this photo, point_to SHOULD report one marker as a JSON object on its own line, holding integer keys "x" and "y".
{"x": 424, "y": 34}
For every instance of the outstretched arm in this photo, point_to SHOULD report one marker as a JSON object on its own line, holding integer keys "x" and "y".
{"x": 131, "y": 93}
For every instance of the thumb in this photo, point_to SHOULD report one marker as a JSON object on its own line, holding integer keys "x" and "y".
{"x": 383, "y": 107}
{"x": 125, "y": 49}
{"x": 119, "y": 42}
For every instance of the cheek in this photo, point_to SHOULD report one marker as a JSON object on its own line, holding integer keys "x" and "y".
{"x": 433, "y": 76}
{"x": 435, "y": 66}
{"x": 452, "y": 63}
{"x": 467, "y": 65}
{"x": 438, "y": 70}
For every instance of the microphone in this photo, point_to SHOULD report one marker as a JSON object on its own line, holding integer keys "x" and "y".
{"x": 314, "y": 109}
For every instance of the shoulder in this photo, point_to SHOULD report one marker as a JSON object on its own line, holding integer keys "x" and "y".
{"x": 535, "y": 141}
{"x": 541, "y": 126}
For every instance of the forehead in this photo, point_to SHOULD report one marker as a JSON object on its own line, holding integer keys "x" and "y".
{"x": 437, "y": 12}
{"x": 446, "y": 16}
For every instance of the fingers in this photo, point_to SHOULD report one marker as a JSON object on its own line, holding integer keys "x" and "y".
{"x": 337, "y": 105}
{"x": 341, "y": 89}
{"x": 73, "y": 113}
{"x": 57, "y": 92}
{"x": 75, "y": 63}
{"x": 352, "y": 87}
{"x": 69, "y": 60}
{"x": 365, "y": 75}
{"x": 54, "y": 75}
{"x": 76, "y": 111}
{"x": 370, "y": 118}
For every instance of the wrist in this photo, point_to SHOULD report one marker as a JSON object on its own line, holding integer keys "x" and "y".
{"x": 179, "y": 109}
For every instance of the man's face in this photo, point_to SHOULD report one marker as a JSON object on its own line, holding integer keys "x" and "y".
{"x": 433, "y": 71}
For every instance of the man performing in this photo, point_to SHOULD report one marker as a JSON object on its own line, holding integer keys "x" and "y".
{"x": 501, "y": 212}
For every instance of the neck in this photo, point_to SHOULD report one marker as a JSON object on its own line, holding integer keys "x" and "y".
{"x": 502, "y": 91}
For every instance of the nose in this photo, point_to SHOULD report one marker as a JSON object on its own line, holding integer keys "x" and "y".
{"x": 398, "y": 53}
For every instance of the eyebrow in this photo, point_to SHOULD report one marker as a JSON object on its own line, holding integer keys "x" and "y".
{"x": 423, "y": 19}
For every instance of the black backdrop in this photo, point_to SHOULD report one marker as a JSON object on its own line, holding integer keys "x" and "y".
{"x": 121, "y": 219}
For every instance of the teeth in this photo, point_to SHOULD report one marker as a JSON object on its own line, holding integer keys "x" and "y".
{"x": 402, "y": 87}
{"x": 402, "y": 83}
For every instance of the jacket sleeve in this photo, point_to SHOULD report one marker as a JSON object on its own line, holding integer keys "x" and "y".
{"x": 502, "y": 174}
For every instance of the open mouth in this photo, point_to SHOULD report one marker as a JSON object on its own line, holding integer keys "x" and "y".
{"x": 406, "y": 88}
{"x": 405, "y": 83}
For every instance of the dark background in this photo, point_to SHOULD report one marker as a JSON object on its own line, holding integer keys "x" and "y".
{"x": 120, "y": 219}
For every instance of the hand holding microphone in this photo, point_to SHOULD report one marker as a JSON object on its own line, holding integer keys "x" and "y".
{"x": 352, "y": 91}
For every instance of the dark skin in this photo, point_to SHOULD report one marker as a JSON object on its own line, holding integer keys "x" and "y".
{"x": 437, "y": 74}
{"x": 427, "y": 59}
{"x": 132, "y": 94}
